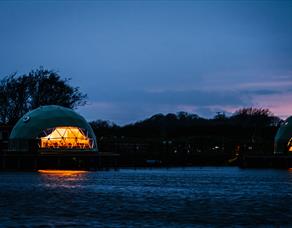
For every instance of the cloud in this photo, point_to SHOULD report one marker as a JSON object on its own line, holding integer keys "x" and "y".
{"x": 275, "y": 84}
{"x": 279, "y": 104}
{"x": 261, "y": 92}
{"x": 121, "y": 112}
{"x": 135, "y": 60}
{"x": 187, "y": 97}
{"x": 132, "y": 105}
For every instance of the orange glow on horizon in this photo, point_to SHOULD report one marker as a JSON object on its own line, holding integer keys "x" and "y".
{"x": 61, "y": 172}
{"x": 66, "y": 137}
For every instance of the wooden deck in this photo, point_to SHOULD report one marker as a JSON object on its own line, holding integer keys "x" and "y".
{"x": 77, "y": 160}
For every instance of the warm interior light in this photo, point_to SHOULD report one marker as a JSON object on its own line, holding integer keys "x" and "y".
{"x": 65, "y": 137}
{"x": 61, "y": 172}
{"x": 290, "y": 145}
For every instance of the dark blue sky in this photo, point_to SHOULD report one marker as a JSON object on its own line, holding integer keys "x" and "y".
{"x": 135, "y": 59}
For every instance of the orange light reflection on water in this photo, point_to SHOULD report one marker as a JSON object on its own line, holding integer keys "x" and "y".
{"x": 61, "y": 172}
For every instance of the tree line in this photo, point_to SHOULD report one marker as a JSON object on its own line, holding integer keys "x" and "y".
{"x": 22, "y": 93}
{"x": 246, "y": 122}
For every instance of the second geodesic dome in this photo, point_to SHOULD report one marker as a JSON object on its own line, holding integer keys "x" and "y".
{"x": 283, "y": 139}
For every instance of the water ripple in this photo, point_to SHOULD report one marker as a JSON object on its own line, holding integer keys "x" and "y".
{"x": 190, "y": 197}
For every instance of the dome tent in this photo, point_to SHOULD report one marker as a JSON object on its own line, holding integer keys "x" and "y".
{"x": 44, "y": 121}
{"x": 283, "y": 139}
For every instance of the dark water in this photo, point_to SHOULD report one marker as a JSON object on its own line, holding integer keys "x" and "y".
{"x": 157, "y": 197}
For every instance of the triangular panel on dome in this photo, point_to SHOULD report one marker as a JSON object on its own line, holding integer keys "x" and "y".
{"x": 67, "y": 138}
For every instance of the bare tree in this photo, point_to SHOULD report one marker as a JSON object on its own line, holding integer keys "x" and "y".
{"x": 20, "y": 94}
{"x": 255, "y": 116}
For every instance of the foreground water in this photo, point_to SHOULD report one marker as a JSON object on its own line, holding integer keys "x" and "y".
{"x": 148, "y": 197}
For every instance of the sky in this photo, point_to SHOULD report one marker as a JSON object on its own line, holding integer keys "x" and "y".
{"x": 137, "y": 58}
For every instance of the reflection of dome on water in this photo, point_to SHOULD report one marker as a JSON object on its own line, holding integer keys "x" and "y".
{"x": 52, "y": 127}
{"x": 283, "y": 139}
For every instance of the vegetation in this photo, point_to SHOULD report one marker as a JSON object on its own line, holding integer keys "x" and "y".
{"x": 252, "y": 120}
{"x": 181, "y": 138}
{"x": 20, "y": 94}
{"x": 186, "y": 139}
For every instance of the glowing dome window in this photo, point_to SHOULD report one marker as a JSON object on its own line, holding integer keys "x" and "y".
{"x": 290, "y": 145}
{"x": 66, "y": 137}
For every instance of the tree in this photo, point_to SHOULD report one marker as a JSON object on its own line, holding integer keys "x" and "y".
{"x": 220, "y": 116}
{"x": 255, "y": 117}
{"x": 187, "y": 116}
{"x": 103, "y": 128}
{"x": 20, "y": 94}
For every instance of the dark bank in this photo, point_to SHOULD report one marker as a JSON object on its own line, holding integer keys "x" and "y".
{"x": 40, "y": 130}
{"x": 54, "y": 137}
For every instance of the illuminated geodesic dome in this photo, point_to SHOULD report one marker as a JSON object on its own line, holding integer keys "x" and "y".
{"x": 52, "y": 128}
{"x": 283, "y": 139}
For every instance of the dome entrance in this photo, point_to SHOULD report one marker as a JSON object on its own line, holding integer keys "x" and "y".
{"x": 66, "y": 138}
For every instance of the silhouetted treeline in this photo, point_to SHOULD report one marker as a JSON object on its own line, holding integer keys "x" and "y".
{"x": 189, "y": 138}
{"x": 247, "y": 123}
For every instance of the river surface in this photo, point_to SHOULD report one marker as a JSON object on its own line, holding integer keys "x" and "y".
{"x": 185, "y": 197}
